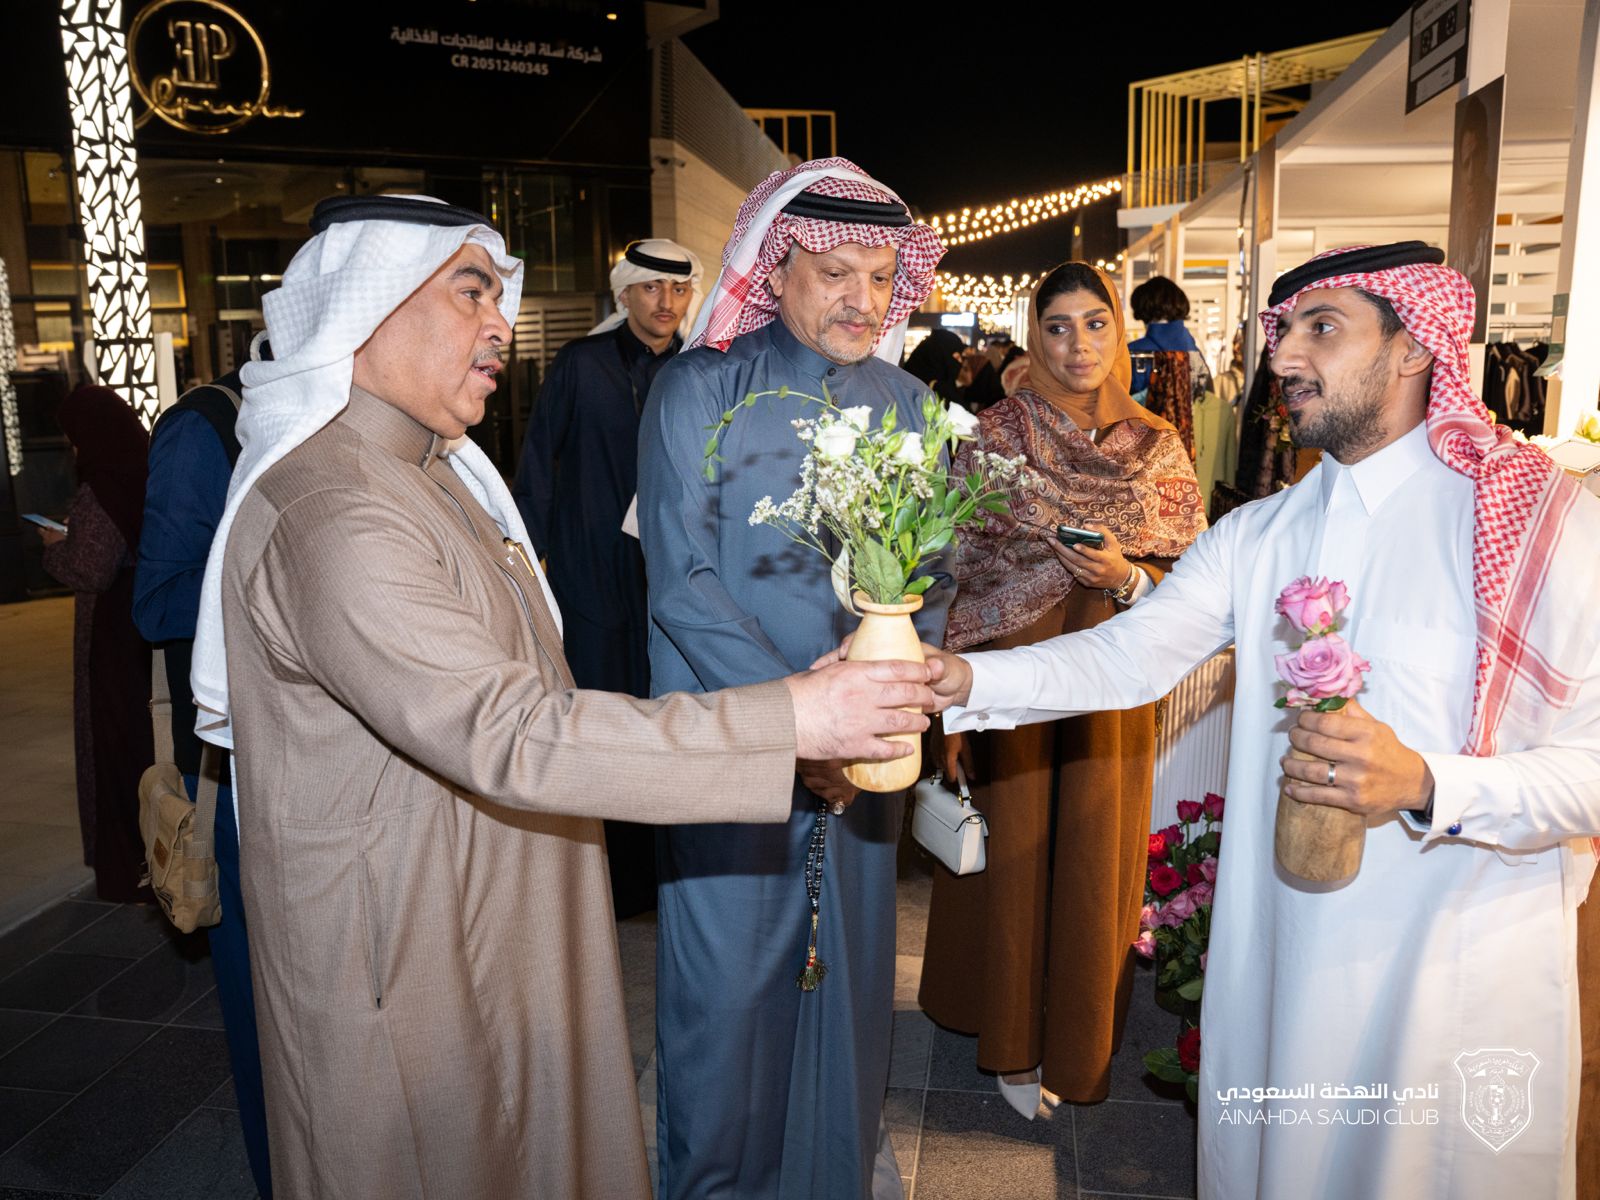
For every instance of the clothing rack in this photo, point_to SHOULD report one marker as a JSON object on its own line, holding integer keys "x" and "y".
{"x": 1506, "y": 325}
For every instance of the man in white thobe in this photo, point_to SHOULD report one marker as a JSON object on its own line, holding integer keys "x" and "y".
{"x": 1440, "y": 981}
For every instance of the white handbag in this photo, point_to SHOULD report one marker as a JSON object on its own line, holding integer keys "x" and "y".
{"x": 947, "y": 826}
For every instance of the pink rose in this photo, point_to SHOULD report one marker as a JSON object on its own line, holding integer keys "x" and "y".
{"x": 1188, "y": 811}
{"x": 1323, "y": 667}
{"x": 1201, "y": 894}
{"x": 1147, "y": 917}
{"x": 1203, "y": 956}
{"x": 1208, "y": 869}
{"x": 1182, "y": 906}
{"x": 1312, "y": 605}
{"x": 1146, "y": 944}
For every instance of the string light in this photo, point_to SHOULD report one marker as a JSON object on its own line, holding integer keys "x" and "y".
{"x": 993, "y": 299}
{"x": 976, "y": 224}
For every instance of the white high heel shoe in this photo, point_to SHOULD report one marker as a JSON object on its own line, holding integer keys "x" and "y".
{"x": 1026, "y": 1098}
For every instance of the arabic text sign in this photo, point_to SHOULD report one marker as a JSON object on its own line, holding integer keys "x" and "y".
{"x": 1438, "y": 49}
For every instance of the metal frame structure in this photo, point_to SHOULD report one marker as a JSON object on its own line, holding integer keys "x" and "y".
{"x": 811, "y": 117}
{"x": 1167, "y": 161}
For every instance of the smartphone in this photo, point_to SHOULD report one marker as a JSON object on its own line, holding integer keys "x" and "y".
{"x": 44, "y": 522}
{"x": 1080, "y": 537}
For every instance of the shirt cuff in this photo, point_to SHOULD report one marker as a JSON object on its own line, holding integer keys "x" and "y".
{"x": 1460, "y": 783}
{"x": 999, "y": 680}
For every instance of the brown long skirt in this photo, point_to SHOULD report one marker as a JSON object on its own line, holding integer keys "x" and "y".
{"x": 1589, "y": 1006}
{"x": 1035, "y": 953}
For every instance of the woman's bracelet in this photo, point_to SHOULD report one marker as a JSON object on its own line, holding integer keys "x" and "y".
{"x": 1124, "y": 594}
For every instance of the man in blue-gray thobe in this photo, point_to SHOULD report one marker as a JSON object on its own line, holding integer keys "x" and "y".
{"x": 767, "y": 1091}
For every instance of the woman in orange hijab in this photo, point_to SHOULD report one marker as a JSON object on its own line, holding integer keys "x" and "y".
{"x": 1035, "y": 954}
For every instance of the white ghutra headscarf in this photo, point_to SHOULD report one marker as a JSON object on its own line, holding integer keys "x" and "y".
{"x": 649, "y": 260}
{"x": 338, "y": 289}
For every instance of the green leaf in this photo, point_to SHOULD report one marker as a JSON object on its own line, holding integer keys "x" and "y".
{"x": 1164, "y": 1065}
{"x": 783, "y": 392}
{"x": 903, "y": 519}
{"x": 1192, "y": 1086}
{"x": 907, "y": 545}
{"x": 1192, "y": 989}
{"x": 890, "y": 420}
{"x": 1280, "y": 702}
{"x": 919, "y": 585}
{"x": 939, "y": 540}
{"x": 878, "y": 571}
{"x": 1331, "y": 704}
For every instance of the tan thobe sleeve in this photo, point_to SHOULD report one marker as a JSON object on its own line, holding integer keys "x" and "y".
{"x": 352, "y": 594}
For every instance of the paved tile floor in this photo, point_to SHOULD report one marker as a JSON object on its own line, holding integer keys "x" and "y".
{"x": 114, "y": 1078}
{"x": 41, "y": 856}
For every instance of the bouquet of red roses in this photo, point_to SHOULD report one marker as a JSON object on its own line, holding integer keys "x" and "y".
{"x": 1175, "y": 927}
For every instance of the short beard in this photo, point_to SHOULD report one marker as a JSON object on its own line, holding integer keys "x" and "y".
{"x": 1351, "y": 424}
{"x": 842, "y": 354}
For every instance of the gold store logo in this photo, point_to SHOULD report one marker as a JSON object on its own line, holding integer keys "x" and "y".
{"x": 203, "y": 53}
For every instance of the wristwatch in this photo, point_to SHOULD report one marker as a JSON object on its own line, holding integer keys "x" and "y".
{"x": 1124, "y": 594}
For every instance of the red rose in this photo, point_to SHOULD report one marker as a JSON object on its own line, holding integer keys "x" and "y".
{"x": 1189, "y": 1050}
{"x": 1158, "y": 845}
{"x": 1164, "y": 880}
{"x": 1194, "y": 874}
{"x": 1213, "y": 806}
{"x": 1173, "y": 834}
{"x": 1188, "y": 811}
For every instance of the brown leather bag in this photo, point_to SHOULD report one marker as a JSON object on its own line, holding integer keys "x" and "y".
{"x": 179, "y": 835}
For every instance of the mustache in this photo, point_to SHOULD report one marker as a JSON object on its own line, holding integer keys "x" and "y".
{"x": 489, "y": 356}
{"x": 1289, "y": 383}
{"x": 855, "y": 316}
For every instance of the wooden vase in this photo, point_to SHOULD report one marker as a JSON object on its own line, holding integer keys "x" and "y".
{"x": 886, "y": 633}
{"x": 1317, "y": 842}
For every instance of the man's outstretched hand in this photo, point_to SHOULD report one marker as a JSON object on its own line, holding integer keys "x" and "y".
{"x": 951, "y": 677}
{"x": 843, "y": 710}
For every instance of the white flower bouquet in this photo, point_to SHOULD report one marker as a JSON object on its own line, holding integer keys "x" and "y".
{"x": 884, "y": 496}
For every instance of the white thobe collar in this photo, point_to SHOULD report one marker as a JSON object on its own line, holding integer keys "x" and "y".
{"x": 1376, "y": 477}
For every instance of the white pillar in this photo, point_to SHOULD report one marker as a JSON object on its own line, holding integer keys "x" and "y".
{"x": 1572, "y": 393}
{"x": 101, "y": 100}
{"x": 1263, "y": 250}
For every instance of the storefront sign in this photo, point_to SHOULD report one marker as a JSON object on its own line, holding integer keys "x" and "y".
{"x": 1438, "y": 49}
{"x": 200, "y": 67}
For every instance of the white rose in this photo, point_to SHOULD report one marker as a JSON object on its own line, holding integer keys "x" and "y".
{"x": 860, "y": 417}
{"x": 910, "y": 450}
{"x": 836, "y": 441}
{"x": 963, "y": 422}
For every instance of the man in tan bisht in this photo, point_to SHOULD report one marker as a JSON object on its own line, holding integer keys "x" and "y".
{"x": 420, "y": 787}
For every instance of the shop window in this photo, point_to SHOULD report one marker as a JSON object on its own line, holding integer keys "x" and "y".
{"x": 538, "y": 215}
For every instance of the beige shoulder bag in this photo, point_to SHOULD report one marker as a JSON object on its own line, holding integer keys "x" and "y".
{"x": 179, "y": 836}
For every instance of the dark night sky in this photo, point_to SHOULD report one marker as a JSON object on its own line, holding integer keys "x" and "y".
{"x": 968, "y": 111}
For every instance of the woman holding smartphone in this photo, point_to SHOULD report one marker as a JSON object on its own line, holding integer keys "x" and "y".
{"x": 110, "y": 661}
{"x": 1034, "y": 955}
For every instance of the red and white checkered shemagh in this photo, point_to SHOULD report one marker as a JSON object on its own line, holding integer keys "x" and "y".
{"x": 740, "y": 301}
{"x": 1520, "y": 497}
